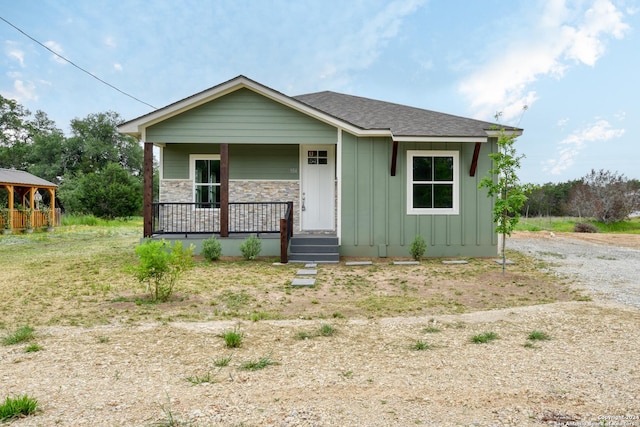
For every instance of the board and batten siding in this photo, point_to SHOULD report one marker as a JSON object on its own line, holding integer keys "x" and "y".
{"x": 251, "y": 162}
{"x": 242, "y": 117}
{"x": 374, "y": 221}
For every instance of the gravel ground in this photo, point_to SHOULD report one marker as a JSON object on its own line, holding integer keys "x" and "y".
{"x": 367, "y": 374}
{"x": 610, "y": 271}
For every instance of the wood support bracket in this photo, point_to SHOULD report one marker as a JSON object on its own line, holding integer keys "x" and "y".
{"x": 394, "y": 158}
{"x": 474, "y": 161}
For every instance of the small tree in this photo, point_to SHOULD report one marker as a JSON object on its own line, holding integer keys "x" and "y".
{"x": 503, "y": 183}
{"x": 161, "y": 264}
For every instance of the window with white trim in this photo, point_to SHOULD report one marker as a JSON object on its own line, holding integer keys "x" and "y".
{"x": 204, "y": 170}
{"x": 432, "y": 182}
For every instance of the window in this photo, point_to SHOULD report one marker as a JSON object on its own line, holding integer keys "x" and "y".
{"x": 205, "y": 173}
{"x": 432, "y": 182}
{"x": 317, "y": 157}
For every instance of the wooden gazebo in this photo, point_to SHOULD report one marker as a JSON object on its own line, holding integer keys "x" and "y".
{"x": 25, "y": 186}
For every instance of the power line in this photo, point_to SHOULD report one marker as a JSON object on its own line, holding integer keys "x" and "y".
{"x": 78, "y": 67}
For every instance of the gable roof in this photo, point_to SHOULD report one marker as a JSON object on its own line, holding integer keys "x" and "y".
{"x": 357, "y": 115}
{"x": 22, "y": 178}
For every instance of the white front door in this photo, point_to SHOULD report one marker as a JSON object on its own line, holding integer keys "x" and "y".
{"x": 318, "y": 187}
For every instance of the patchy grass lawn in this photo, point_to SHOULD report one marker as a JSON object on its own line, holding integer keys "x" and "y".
{"x": 81, "y": 275}
{"x": 567, "y": 224}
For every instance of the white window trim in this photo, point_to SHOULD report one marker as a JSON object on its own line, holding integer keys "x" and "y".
{"x": 455, "y": 210}
{"x": 192, "y": 171}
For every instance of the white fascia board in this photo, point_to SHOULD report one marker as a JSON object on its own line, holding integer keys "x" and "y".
{"x": 470, "y": 139}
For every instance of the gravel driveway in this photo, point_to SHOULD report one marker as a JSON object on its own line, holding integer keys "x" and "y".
{"x": 608, "y": 270}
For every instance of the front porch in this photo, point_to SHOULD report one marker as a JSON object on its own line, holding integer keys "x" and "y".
{"x": 232, "y": 222}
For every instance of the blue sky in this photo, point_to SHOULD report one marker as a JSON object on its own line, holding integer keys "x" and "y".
{"x": 575, "y": 64}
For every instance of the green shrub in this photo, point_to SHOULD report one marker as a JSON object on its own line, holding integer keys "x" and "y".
{"x": 161, "y": 264}
{"x": 585, "y": 227}
{"x": 418, "y": 247}
{"x": 251, "y": 248}
{"x": 211, "y": 249}
{"x": 19, "y": 406}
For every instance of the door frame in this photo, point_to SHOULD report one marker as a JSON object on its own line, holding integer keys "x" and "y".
{"x": 304, "y": 148}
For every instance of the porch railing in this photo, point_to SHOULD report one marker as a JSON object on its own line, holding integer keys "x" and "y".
{"x": 204, "y": 218}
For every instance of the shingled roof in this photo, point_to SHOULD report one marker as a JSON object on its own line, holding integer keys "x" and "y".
{"x": 401, "y": 120}
{"x": 370, "y": 116}
{"x": 22, "y": 178}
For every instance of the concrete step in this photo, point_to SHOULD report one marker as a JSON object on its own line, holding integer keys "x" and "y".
{"x": 318, "y": 258}
{"x": 314, "y": 248}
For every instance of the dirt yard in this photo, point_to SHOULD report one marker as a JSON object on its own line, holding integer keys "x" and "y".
{"x": 420, "y": 368}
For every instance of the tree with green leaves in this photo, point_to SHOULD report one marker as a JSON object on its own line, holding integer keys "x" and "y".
{"x": 502, "y": 184}
{"x": 109, "y": 193}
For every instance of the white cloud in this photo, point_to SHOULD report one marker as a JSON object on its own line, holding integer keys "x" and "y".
{"x": 117, "y": 66}
{"x": 110, "y": 42}
{"x": 23, "y": 91}
{"x": 360, "y": 49}
{"x": 562, "y": 122}
{"x": 17, "y": 54}
{"x": 557, "y": 39}
{"x": 572, "y": 145}
{"x": 57, "y": 49}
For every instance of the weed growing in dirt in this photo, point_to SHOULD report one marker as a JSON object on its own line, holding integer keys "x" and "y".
{"x": 103, "y": 340}
{"x": 222, "y": 362}
{"x": 538, "y": 336}
{"x": 484, "y": 338}
{"x": 421, "y": 345}
{"x": 22, "y": 334}
{"x": 302, "y": 335}
{"x": 233, "y": 338}
{"x": 431, "y": 330}
{"x": 327, "y": 330}
{"x": 256, "y": 365}
{"x": 171, "y": 420}
{"x": 206, "y": 378}
{"x": 16, "y": 407}
{"x": 32, "y": 348}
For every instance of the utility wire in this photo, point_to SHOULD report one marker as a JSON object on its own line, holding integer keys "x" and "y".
{"x": 78, "y": 67}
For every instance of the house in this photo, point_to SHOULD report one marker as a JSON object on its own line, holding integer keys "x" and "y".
{"x": 367, "y": 175}
{"x": 26, "y": 186}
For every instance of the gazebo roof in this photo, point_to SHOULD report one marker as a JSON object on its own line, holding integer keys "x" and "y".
{"x": 22, "y": 178}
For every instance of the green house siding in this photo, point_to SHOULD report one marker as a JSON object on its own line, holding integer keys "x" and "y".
{"x": 374, "y": 220}
{"x": 242, "y": 117}
{"x": 258, "y": 162}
